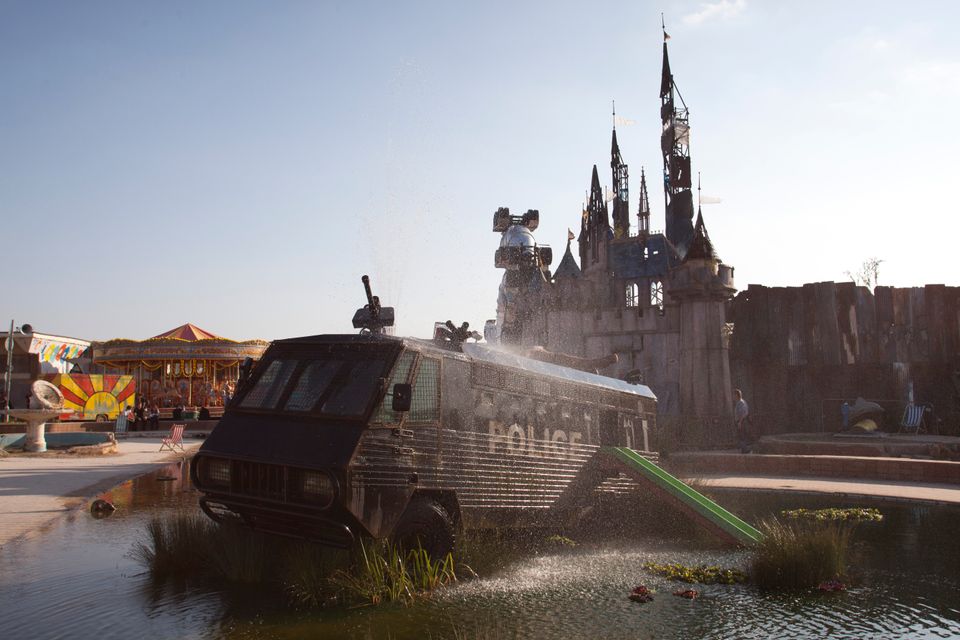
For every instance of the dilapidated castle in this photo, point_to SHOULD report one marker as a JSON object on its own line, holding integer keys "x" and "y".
{"x": 664, "y": 303}
{"x": 655, "y": 299}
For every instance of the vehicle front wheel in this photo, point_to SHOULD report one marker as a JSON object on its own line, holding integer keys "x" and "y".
{"x": 426, "y": 524}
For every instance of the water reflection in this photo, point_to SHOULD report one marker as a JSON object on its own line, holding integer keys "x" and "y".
{"x": 79, "y": 580}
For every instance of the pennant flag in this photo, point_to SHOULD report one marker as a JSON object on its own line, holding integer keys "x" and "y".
{"x": 710, "y": 200}
{"x": 570, "y": 235}
{"x": 666, "y": 36}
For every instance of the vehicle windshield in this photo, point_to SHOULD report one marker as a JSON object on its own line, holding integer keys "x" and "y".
{"x": 330, "y": 384}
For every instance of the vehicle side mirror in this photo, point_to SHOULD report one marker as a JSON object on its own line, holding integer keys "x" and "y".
{"x": 402, "y": 395}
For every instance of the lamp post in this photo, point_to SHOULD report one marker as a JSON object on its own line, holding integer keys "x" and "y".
{"x": 8, "y": 372}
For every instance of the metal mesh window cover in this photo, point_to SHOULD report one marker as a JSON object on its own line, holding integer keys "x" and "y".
{"x": 425, "y": 406}
{"x": 511, "y": 381}
{"x": 541, "y": 387}
{"x": 486, "y": 376}
{"x": 401, "y": 373}
{"x": 269, "y": 386}
{"x": 313, "y": 381}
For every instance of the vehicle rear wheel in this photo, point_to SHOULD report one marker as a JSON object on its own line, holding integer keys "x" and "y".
{"x": 427, "y": 524}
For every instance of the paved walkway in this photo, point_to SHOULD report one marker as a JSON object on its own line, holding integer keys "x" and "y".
{"x": 36, "y": 490}
{"x": 939, "y": 493}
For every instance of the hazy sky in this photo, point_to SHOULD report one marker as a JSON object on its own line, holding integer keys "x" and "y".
{"x": 240, "y": 165}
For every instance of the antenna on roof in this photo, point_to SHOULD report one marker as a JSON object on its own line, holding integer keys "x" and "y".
{"x": 613, "y": 103}
{"x": 699, "y": 195}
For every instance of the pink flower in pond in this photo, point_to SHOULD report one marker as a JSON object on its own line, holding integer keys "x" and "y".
{"x": 641, "y": 593}
{"x": 832, "y": 585}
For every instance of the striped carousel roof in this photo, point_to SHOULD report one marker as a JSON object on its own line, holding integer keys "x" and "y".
{"x": 188, "y": 332}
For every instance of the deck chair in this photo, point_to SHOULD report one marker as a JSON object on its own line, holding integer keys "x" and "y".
{"x": 913, "y": 418}
{"x": 175, "y": 439}
{"x": 121, "y": 427}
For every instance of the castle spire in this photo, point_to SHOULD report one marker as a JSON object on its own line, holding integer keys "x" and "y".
{"x": 675, "y": 146}
{"x": 701, "y": 248}
{"x": 621, "y": 189}
{"x": 598, "y": 221}
{"x": 643, "y": 214}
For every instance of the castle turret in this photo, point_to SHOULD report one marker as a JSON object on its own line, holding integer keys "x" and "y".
{"x": 568, "y": 268}
{"x": 703, "y": 286}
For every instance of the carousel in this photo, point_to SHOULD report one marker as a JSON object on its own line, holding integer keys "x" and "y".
{"x": 186, "y": 365}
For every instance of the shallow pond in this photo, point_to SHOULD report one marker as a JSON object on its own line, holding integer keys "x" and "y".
{"x": 78, "y": 580}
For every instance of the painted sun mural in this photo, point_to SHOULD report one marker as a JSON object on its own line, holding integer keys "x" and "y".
{"x": 93, "y": 395}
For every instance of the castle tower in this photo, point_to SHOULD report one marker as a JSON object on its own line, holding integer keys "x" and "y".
{"x": 675, "y": 146}
{"x": 594, "y": 230}
{"x": 621, "y": 191}
{"x": 703, "y": 285}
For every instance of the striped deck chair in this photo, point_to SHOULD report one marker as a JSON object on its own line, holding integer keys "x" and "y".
{"x": 913, "y": 418}
{"x": 175, "y": 439}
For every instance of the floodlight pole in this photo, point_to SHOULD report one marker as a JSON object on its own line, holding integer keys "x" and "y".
{"x": 8, "y": 372}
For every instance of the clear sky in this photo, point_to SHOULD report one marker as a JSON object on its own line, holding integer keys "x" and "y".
{"x": 240, "y": 165}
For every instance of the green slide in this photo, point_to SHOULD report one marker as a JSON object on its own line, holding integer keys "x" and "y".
{"x": 696, "y": 503}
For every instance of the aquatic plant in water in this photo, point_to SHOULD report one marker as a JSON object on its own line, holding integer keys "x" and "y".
{"x": 831, "y": 585}
{"x": 191, "y": 546}
{"x": 641, "y": 593}
{"x": 176, "y": 546}
{"x": 702, "y": 574}
{"x": 801, "y": 553}
{"x": 385, "y": 573}
{"x": 560, "y": 541}
{"x": 858, "y": 514}
{"x": 690, "y": 594}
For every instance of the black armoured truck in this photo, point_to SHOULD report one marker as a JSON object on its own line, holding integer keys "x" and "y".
{"x": 338, "y": 437}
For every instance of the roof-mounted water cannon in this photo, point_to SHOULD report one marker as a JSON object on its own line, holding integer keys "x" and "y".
{"x": 448, "y": 334}
{"x": 372, "y": 318}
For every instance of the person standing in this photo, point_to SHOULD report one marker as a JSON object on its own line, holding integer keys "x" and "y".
{"x": 741, "y": 414}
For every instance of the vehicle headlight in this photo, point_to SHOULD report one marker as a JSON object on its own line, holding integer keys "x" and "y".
{"x": 316, "y": 486}
{"x": 217, "y": 471}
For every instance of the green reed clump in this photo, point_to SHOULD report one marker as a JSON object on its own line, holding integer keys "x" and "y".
{"x": 183, "y": 546}
{"x": 801, "y": 553}
{"x": 306, "y": 573}
{"x": 177, "y": 546}
{"x": 701, "y": 574}
{"x": 859, "y": 514}
{"x": 385, "y": 573}
{"x": 242, "y": 556}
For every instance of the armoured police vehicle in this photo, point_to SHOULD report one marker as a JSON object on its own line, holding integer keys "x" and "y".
{"x": 338, "y": 437}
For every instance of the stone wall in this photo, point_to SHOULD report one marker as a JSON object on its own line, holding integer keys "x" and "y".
{"x": 798, "y": 352}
